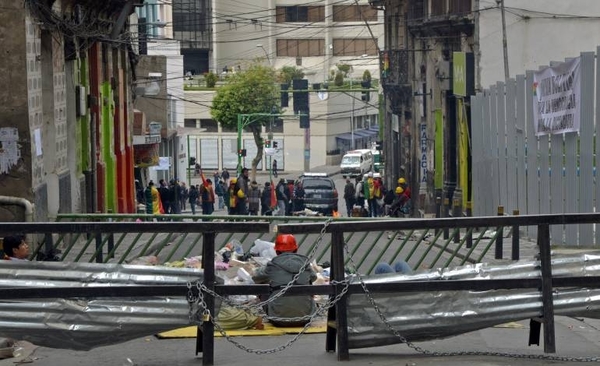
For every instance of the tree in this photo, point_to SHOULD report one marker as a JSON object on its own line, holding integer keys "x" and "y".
{"x": 251, "y": 91}
{"x": 289, "y": 73}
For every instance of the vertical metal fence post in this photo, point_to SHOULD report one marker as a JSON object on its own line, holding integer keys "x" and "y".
{"x": 456, "y": 212}
{"x": 547, "y": 300}
{"x": 48, "y": 245}
{"x": 446, "y": 209}
{"x": 208, "y": 328}
{"x": 98, "y": 240}
{"x": 438, "y": 211}
{"x": 111, "y": 240}
{"x": 499, "y": 236}
{"x": 470, "y": 232}
{"x": 515, "y": 239}
{"x": 337, "y": 266}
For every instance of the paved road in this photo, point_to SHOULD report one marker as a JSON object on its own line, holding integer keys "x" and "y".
{"x": 575, "y": 338}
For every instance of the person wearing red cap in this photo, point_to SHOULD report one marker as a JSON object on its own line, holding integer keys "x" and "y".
{"x": 278, "y": 273}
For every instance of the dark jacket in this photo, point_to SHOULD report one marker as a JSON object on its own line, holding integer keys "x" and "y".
{"x": 279, "y": 272}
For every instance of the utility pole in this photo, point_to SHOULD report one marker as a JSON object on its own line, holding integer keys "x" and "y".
{"x": 500, "y": 3}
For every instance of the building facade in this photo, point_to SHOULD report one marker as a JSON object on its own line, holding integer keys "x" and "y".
{"x": 314, "y": 38}
{"x": 65, "y": 119}
{"x": 440, "y": 52}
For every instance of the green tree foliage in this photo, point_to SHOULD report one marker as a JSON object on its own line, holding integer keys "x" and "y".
{"x": 211, "y": 79}
{"x": 366, "y": 75}
{"x": 339, "y": 79}
{"x": 251, "y": 91}
{"x": 289, "y": 73}
{"x": 344, "y": 69}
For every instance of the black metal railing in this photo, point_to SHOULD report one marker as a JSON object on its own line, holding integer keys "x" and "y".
{"x": 338, "y": 321}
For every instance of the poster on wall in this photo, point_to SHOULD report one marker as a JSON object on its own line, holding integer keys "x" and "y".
{"x": 557, "y": 98}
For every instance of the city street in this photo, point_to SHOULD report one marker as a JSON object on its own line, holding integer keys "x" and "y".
{"x": 575, "y": 338}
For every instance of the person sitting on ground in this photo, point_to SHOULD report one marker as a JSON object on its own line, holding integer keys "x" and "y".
{"x": 278, "y": 273}
{"x": 15, "y": 248}
{"x": 398, "y": 267}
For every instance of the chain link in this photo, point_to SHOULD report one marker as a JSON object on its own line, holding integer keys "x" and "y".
{"x": 451, "y": 354}
{"x": 197, "y": 303}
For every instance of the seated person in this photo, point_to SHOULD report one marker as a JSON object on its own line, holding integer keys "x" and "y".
{"x": 398, "y": 267}
{"x": 278, "y": 273}
{"x": 401, "y": 205}
{"x": 15, "y": 248}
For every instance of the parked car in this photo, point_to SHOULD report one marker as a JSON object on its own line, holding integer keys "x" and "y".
{"x": 319, "y": 193}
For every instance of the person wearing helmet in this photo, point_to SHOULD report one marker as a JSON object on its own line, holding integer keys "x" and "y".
{"x": 402, "y": 183}
{"x": 279, "y": 272}
{"x": 401, "y": 204}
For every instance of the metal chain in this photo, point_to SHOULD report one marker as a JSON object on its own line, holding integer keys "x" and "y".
{"x": 199, "y": 303}
{"x": 448, "y": 354}
{"x": 258, "y": 306}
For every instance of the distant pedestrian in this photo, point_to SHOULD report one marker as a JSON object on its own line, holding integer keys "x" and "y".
{"x": 208, "y": 198}
{"x": 253, "y": 198}
{"x": 216, "y": 177}
{"x": 225, "y": 175}
{"x": 184, "y": 195}
{"x": 265, "y": 200}
{"x": 281, "y": 192}
{"x": 241, "y": 191}
{"x": 193, "y": 198}
{"x": 197, "y": 169}
{"x": 220, "y": 189}
{"x": 274, "y": 168}
{"x": 349, "y": 193}
{"x": 163, "y": 190}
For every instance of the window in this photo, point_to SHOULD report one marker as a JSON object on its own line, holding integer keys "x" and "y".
{"x": 460, "y": 6}
{"x": 210, "y": 125}
{"x": 300, "y": 47}
{"x": 438, "y": 7}
{"x": 354, "y": 47}
{"x": 292, "y": 14}
{"x": 188, "y": 22}
{"x": 190, "y": 123}
{"x": 352, "y": 13}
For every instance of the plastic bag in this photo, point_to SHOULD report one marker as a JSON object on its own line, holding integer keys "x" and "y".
{"x": 262, "y": 248}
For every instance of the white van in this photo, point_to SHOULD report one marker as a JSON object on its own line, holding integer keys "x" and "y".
{"x": 357, "y": 162}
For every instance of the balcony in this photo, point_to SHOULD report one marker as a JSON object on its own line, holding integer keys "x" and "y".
{"x": 394, "y": 66}
{"x": 441, "y": 16}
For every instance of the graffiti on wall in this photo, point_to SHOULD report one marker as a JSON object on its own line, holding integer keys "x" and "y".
{"x": 9, "y": 148}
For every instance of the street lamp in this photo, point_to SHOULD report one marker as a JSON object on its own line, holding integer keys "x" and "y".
{"x": 266, "y": 53}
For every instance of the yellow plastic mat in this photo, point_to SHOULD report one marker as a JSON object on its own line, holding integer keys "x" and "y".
{"x": 270, "y": 330}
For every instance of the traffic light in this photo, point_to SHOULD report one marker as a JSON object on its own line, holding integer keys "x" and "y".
{"x": 267, "y": 143}
{"x": 285, "y": 98}
{"x": 300, "y": 95}
{"x": 275, "y": 144}
{"x": 366, "y": 94}
{"x": 242, "y": 152}
{"x": 192, "y": 161}
{"x": 304, "y": 121}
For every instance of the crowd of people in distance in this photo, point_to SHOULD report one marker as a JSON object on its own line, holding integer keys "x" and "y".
{"x": 368, "y": 196}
